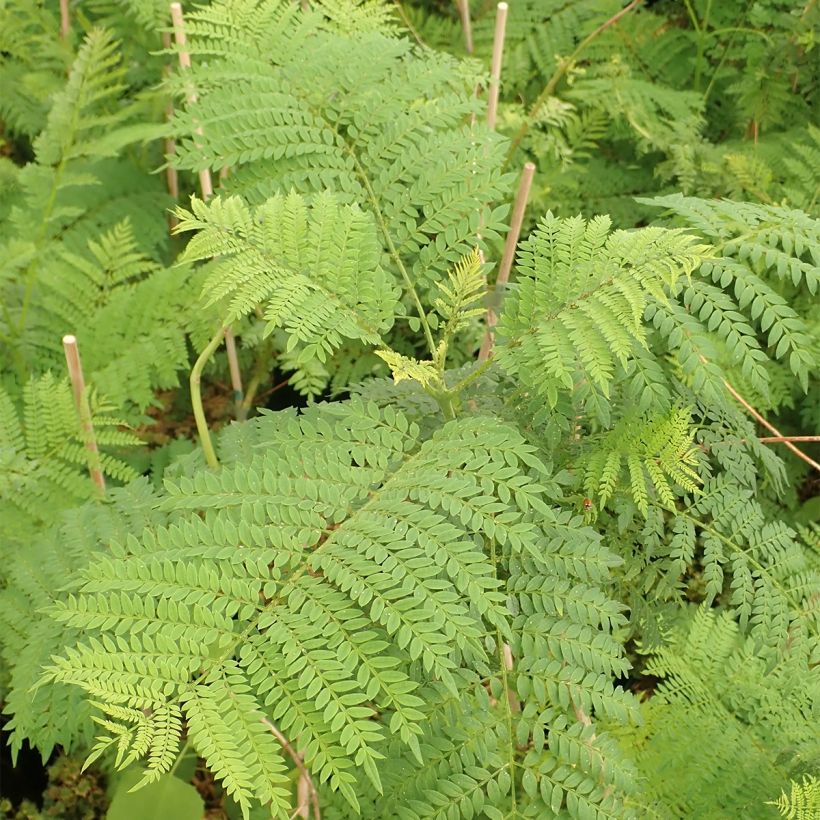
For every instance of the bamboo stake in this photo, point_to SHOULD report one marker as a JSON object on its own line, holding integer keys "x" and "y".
{"x": 65, "y": 20}
{"x": 207, "y": 189}
{"x": 205, "y": 183}
{"x": 510, "y": 244}
{"x": 75, "y": 374}
{"x": 495, "y": 70}
{"x": 171, "y": 175}
{"x": 466, "y": 24}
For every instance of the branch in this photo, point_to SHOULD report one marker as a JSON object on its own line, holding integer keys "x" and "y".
{"x": 304, "y": 774}
{"x": 770, "y": 427}
{"x": 786, "y": 439}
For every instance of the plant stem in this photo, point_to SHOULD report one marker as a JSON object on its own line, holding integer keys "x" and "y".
{"x": 183, "y": 753}
{"x": 75, "y": 373}
{"x": 304, "y": 774}
{"x": 701, "y": 29}
{"x": 408, "y": 282}
{"x": 196, "y": 398}
{"x": 562, "y": 69}
{"x": 770, "y": 427}
{"x": 471, "y": 377}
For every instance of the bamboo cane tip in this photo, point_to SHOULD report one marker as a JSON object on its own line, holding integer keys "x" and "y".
{"x": 69, "y": 340}
{"x": 529, "y": 167}
{"x": 502, "y": 7}
{"x": 176, "y": 8}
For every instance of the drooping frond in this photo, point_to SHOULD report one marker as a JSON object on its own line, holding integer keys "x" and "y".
{"x": 765, "y": 255}
{"x": 650, "y": 457}
{"x": 312, "y": 270}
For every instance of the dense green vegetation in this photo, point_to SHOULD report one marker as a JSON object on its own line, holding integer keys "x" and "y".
{"x": 364, "y": 568}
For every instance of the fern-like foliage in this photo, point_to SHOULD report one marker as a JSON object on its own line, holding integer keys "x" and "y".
{"x": 766, "y": 258}
{"x": 336, "y": 561}
{"x": 577, "y": 310}
{"x": 656, "y": 454}
{"x": 803, "y": 800}
{"x": 44, "y": 465}
{"x": 32, "y": 66}
{"x": 287, "y": 103}
{"x": 60, "y": 204}
{"x": 312, "y": 271}
{"x": 35, "y": 569}
{"x": 735, "y": 729}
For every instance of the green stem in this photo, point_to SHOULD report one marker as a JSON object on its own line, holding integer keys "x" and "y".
{"x": 183, "y": 753}
{"x": 196, "y": 398}
{"x": 724, "y": 56}
{"x": 563, "y": 67}
{"x": 702, "y": 33}
{"x": 471, "y": 377}
{"x": 408, "y": 282}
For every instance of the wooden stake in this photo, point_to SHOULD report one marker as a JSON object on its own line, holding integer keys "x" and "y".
{"x": 495, "y": 70}
{"x": 509, "y": 251}
{"x": 207, "y": 189}
{"x": 75, "y": 374}
{"x": 466, "y": 24}
{"x": 171, "y": 176}
{"x": 65, "y": 20}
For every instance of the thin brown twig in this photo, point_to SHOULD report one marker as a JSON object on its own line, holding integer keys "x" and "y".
{"x": 299, "y": 763}
{"x": 769, "y": 426}
{"x": 786, "y": 439}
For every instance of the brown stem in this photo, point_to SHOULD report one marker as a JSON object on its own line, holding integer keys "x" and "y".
{"x": 495, "y": 70}
{"x": 65, "y": 19}
{"x": 466, "y": 24}
{"x": 75, "y": 373}
{"x": 786, "y": 439}
{"x": 769, "y": 426}
{"x": 304, "y": 774}
{"x": 509, "y": 252}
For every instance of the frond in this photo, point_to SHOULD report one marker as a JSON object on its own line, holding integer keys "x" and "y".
{"x": 576, "y": 311}
{"x": 718, "y": 703}
{"x": 368, "y": 117}
{"x": 803, "y": 800}
{"x": 312, "y": 270}
{"x": 657, "y": 455}
{"x": 44, "y": 462}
